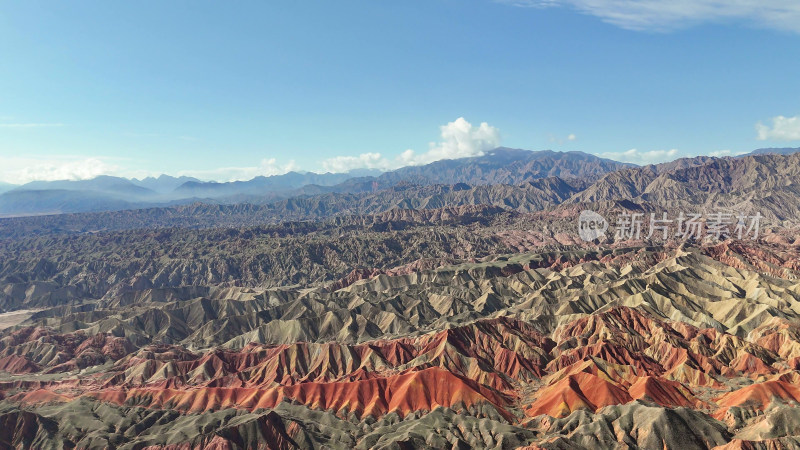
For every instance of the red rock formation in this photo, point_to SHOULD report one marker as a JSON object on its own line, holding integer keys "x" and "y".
{"x": 580, "y": 391}
{"x": 759, "y": 396}
{"x": 664, "y": 392}
{"x": 18, "y": 364}
{"x": 414, "y": 391}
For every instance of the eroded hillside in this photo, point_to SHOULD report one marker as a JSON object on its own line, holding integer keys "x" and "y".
{"x": 648, "y": 346}
{"x": 417, "y": 316}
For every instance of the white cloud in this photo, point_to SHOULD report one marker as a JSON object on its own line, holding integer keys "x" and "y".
{"x": 666, "y": 15}
{"x": 30, "y": 125}
{"x": 782, "y": 129}
{"x": 638, "y": 157}
{"x": 267, "y": 167}
{"x": 20, "y": 170}
{"x": 362, "y": 161}
{"x": 721, "y": 153}
{"x": 562, "y": 140}
{"x": 460, "y": 139}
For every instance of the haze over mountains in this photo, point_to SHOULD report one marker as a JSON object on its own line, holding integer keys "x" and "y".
{"x": 515, "y": 180}
{"x": 6, "y": 187}
{"x": 775, "y": 151}
{"x": 500, "y": 166}
{"x": 113, "y": 193}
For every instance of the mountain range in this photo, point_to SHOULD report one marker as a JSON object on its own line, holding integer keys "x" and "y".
{"x": 502, "y": 166}
{"x": 775, "y": 151}
{"x": 6, "y": 187}
{"x": 422, "y": 329}
{"x": 451, "y": 305}
{"x": 764, "y": 183}
{"x": 106, "y": 193}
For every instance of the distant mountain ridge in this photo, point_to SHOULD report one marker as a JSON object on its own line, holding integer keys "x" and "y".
{"x": 103, "y": 193}
{"x": 774, "y": 151}
{"x": 102, "y": 183}
{"x": 769, "y": 184}
{"x": 499, "y": 166}
{"x": 259, "y": 184}
{"x": 505, "y": 166}
{"x": 510, "y": 178}
{"x": 6, "y": 187}
{"x": 163, "y": 183}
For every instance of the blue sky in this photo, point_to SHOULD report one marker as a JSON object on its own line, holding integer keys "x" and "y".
{"x": 230, "y": 90}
